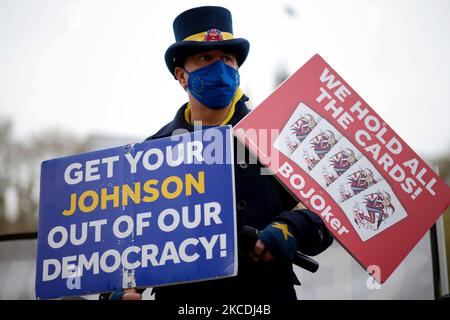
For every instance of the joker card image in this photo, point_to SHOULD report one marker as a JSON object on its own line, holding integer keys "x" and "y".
{"x": 374, "y": 210}
{"x": 340, "y": 158}
{"x": 359, "y": 177}
{"x": 299, "y": 125}
{"x": 318, "y": 143}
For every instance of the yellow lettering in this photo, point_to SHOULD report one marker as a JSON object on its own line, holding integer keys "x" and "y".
{"x": 152, "y": 191}
{"x": 198, "y": 184}
{"x": 171, "y": 188}
{"x": 165, "y": 187}
{"x": 108, "y": 197}
{"x": 82, "y": 200}
{"x": 134, "y": 195}
{"x": 73, "y": 205}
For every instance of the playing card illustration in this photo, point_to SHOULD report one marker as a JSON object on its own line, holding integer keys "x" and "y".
{"x": 359, "y": 177}
{"x": 318, "y": 143}
{"x": 373, "y": 210}
{"x": 337, "y": 161}
{"x": 300, "y": 124}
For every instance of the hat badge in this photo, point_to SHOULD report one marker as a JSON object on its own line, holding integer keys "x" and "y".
{"x": 213, "y": 35}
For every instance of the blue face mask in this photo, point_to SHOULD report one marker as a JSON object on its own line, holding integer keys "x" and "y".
{"x": 214, "y": 85}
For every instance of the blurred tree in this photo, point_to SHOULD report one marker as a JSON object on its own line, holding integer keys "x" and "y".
{"x": 5, "y": 132}
{"x": 443, "y": 163}
{"x": 281, "y": 74}
{"x": 289, "y": 10}
{"x": 20, "y": 174}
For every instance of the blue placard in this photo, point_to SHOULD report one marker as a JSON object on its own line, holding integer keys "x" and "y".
{"x": 148, "y": 214}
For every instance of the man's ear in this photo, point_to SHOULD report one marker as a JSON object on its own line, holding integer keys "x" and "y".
{"x": 180, "y": 74}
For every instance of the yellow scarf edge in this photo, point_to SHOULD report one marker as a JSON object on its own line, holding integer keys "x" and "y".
{"x": 237, "y": 96}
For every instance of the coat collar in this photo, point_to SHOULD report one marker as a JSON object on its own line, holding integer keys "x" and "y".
{"x": 179, "y": 121}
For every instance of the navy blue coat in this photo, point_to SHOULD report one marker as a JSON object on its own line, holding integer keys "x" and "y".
{"x": 260, "y": 199}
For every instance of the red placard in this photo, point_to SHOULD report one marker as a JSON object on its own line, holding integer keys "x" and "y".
{"x": 336, "y": 155}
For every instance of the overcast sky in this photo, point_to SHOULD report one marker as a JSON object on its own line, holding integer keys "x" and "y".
{"x": 97, "y": 67}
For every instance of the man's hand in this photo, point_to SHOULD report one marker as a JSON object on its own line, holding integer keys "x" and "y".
{"x": 125, "y": 294}
{"x": 278, "y": 239}
{"x": 131, "y": 294}
{"x": 260, "y": 252}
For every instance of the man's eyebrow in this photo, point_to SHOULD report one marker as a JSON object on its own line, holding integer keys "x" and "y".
{"x": 200, "y": 54}
{"x": 229, "y": 54}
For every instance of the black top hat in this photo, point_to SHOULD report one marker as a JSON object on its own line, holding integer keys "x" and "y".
{"x": 203, "y": 29}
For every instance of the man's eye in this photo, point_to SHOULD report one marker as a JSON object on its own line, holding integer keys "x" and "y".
{"x": 204, "y": 58}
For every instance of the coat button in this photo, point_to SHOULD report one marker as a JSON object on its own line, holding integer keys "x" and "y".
{"x": 243, "y": 165}
{"x": 241, "y": 205}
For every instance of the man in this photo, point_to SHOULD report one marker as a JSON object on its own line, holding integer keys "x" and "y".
{"x": 205, "y": 59}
